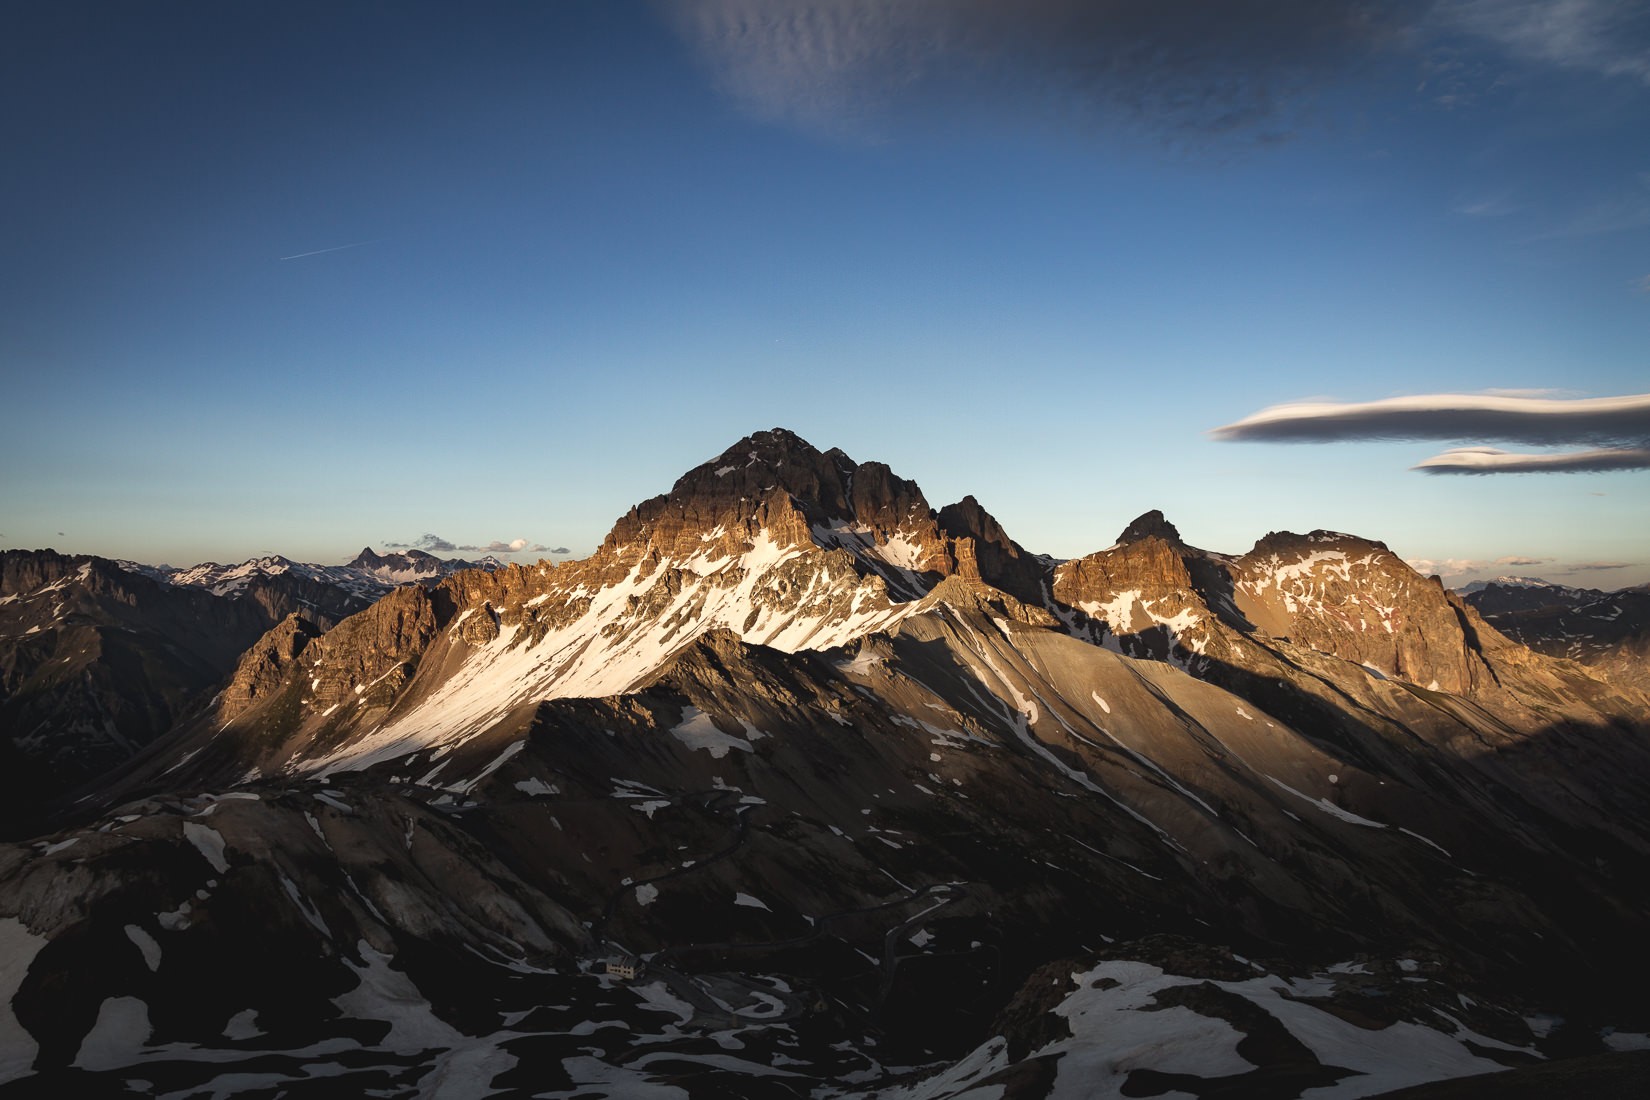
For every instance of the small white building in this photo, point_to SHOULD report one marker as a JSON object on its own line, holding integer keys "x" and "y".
{"x": 624, "y": 967}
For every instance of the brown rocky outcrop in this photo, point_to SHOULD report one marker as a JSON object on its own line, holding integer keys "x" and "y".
{"x": 983, "y": 551}
{"x": 1140, "y": 587}
{"x": 365, "y": 651}
{"x": 1354, "y": 598}
{"x": 264, "y": 668}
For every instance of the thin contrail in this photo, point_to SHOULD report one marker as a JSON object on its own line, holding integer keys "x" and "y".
{"x": 334, "y": 248}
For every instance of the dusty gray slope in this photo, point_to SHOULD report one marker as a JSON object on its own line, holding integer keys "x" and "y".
{"x": 849, "y": 770}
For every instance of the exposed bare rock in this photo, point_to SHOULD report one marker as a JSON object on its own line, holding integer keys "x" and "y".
{"x": 96, "y": 662}
{"x": 265, "y": 666}
{"x": 1138, "y": 596}
{"x": 1356, "y": 599}
{"x": 984, "y": 552}
{"x": 1151, "y": 525}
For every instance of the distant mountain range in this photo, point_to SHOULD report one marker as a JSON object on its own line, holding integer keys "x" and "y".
{"x": 368, "y": 576}
{"x": 1608, "y": 631}
{"x": 800, "y": 786}
{"x": 99, "y": 657}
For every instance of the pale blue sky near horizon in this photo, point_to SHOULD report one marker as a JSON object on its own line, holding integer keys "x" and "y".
{"x": 302, "y": 278}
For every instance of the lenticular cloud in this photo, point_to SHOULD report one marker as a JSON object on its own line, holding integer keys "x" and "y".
{"x": 1488, "y": 460}
{"x": 1615, "y": 431}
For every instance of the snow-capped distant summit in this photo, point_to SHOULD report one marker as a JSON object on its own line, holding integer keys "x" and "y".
{"x": 414, "y": 566}
{"x": 1513, "y": 582}
{"x": 1609, "y": 631}
{"x": 367, "y": 577}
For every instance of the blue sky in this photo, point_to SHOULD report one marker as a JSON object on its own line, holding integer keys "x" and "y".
{"x": 1031, "y": 252}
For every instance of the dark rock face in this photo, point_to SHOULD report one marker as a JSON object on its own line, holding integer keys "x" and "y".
{"x": 98, "y": 659}
{"x": 984, "y": 552}
{"x": 1151, "y": 525}
{"x": 96, "y": 662}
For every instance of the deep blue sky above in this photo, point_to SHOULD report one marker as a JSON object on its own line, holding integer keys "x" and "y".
{"x": 1032, "y": 252}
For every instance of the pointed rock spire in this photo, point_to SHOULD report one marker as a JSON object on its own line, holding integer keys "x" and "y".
{"x": 1150, "y": 525}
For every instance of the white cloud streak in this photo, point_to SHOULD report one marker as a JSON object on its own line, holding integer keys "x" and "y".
{"x": 1541, "y": 421}
{"x": 1488, "y": 460}
{"x": 324, "y": 251}
{"x": 1614, "y": 430}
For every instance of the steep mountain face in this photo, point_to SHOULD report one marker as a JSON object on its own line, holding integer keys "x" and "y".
{"x": 99, "y": 657}
{"x": 1356, "y": 599}
{"x": 732, "y": 546}
{"x": 884, "y": 804}
{"x": 95, "y": 662}
{"x": 1138, "y": 596}
{"x": 1607, "y": 631}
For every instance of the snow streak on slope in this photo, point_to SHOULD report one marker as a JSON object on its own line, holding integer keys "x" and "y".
{"x": 778, "y": 595}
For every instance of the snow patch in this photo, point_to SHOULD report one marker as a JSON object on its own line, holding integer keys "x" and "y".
{"x": 697, "y": 731}
{"x": 118, "y": 1036}
{"x": 208, "y": 842}
{"x": 18, "y": 947}
{"x": 146, "y": 944}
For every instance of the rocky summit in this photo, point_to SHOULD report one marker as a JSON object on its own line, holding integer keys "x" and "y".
{"x": 801, "y": 787}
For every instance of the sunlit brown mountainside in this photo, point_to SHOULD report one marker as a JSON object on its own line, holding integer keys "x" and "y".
{"x": 801, "y": 786}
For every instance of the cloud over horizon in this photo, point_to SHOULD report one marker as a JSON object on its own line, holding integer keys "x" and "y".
{"x": 1461, "y": 569}
{"x": 1616, "y": 429}
{"x": 435, "y": 544}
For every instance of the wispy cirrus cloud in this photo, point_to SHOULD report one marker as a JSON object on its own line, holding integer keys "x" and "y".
{"x": 1597, "y": 566}
{"x": 1175, "y": 67}
{"x": 1623, "y": 209}
{"x": 1605, "y": 37}
{"x": 1488, "y": 206}
{"x": 1204, "y": 66}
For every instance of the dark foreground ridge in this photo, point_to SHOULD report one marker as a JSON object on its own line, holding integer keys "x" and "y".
{"x": 799, "y": 786}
